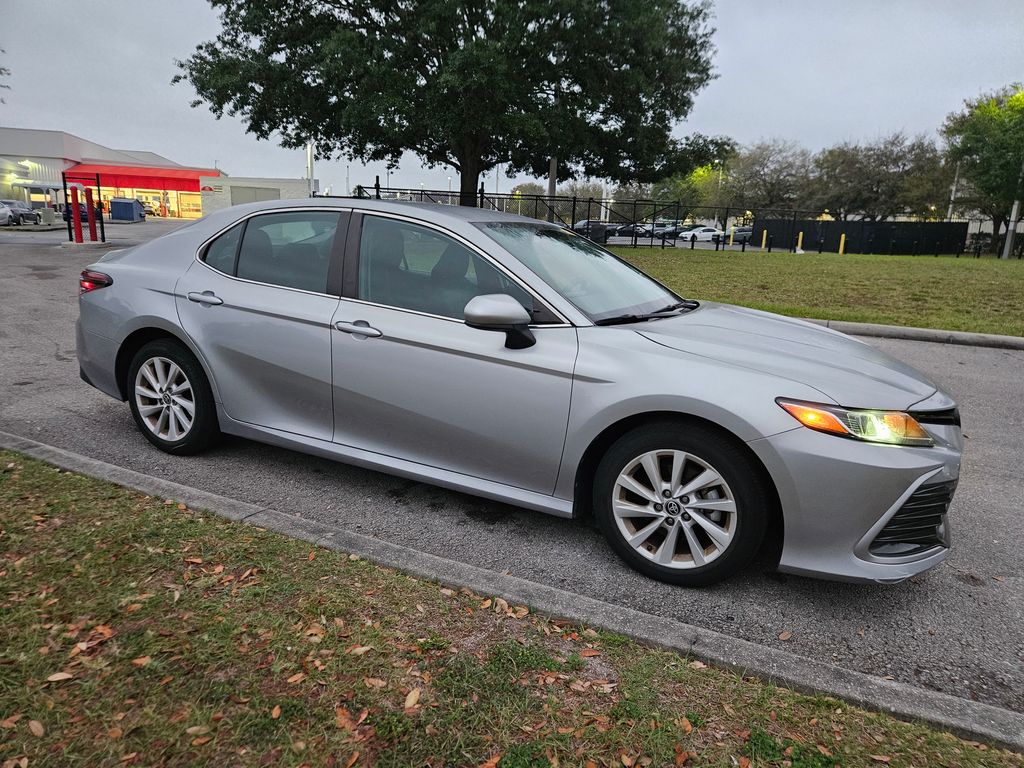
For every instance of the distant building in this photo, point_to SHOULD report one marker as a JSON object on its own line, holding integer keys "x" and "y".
{"x": 31, "y": 163}
{"x": 224, "y": 191}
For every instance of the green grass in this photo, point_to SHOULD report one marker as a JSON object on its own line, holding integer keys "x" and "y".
{"x": 138, "y": 632}
{"x": 965, "y": 294}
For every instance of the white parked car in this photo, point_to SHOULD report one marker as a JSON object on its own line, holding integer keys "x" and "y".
{"x": 702, "y": 234}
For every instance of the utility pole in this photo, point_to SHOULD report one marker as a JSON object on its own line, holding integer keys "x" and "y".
{"x": 552, "y": 179}
{"x": 309, "y": 167}
{"x": 348, "y": 189}
{"x": 952, "y": 193}
{"x": 1011, "y": 227}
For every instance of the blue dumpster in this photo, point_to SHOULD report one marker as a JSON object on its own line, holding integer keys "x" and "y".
{"x": 126, "y": 209}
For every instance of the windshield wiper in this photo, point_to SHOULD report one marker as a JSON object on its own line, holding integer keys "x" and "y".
{"x": 669, "y": 311}
{"x": 684, "y": 304}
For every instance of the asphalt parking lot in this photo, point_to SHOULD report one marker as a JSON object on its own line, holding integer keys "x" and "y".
{"x": 957, "y": 629}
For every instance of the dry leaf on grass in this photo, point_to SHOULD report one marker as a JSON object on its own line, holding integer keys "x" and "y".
{"x": 142, "y": 661}
{"x": 275, "y": 713}
{"x": 881, "y": 758}
{"x": 413, "y": 697}
{"x": 492, "y": 762}
{"x": 56, "y": 677}
{"x": 587, "y": 652}
{"x": 36, "y": 727}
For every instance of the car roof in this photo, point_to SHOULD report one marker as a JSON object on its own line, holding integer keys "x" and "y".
{"x": 432, "y": 211}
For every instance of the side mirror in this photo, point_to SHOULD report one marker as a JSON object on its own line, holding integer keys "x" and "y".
{"x": 500, "y": 312}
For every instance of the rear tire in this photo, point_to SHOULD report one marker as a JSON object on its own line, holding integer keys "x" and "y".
{"x": 171, "y": 399}
{"x": 700, "y": 520}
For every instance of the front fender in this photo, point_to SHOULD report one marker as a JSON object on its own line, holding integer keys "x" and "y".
{"x": 620, "y": 375}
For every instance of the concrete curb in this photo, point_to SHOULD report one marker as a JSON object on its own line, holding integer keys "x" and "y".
{"x": 965, "y": 718}
{"x": 922, "y": 334}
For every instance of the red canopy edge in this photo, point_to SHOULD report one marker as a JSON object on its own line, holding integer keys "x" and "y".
{"x": 142, "y": 177}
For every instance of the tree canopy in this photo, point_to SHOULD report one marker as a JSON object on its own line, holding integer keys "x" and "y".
{"x": 875, "y": 180}
{"x": 467, "y": 84}
{"x": 987, "y": 139}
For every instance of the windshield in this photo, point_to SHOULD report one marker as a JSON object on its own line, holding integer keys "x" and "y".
{"x": 598, "y": 283}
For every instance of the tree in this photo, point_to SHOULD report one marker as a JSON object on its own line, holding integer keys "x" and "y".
{"x": 528, "y": 189}
{"x": 987, "y": 139}
{"x": 881, "y": 179}
{"x": 769, "y": 174}
{"x": 466, "y": 84}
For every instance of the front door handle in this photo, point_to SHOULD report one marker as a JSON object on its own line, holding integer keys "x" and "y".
{"x": 358, "y": 328}
{"x": 206, "y": 297}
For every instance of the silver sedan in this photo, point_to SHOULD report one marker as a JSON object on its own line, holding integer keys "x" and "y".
{"x": 516, "y": 360}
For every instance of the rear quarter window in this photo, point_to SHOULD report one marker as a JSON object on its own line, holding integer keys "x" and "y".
{"x": 221, "y": 253}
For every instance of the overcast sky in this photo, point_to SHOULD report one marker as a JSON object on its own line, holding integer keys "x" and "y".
{"x": 814, "y": 71}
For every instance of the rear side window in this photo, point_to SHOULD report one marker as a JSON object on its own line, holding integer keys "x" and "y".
{"x": 220, "y": 254}
{"x": 292, "y": 249}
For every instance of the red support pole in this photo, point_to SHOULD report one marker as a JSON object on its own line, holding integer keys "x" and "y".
{"x": 90, "y": 214}
{"x": 76, "y": 215}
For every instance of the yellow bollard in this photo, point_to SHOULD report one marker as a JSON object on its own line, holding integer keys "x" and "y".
{"x": 732, "y": 234}
{"x": 842, "y": 244}
{"x": 764, "y": 238}
{"x": 799, "y": 241}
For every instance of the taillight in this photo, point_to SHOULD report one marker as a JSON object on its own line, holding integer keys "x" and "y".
{"x": 90, "y": 281}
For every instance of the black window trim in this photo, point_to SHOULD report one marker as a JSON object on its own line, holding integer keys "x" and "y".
{"x": 350, "y": 285}
{"x": 338, "y": 247}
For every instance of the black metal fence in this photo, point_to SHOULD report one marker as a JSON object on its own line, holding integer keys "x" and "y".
{"x": 670, "y": 223}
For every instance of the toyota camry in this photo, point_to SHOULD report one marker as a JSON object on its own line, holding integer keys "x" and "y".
{"x": 516, "y": 360}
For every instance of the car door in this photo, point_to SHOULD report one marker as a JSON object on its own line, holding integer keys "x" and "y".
{"x": 420, "y": 385}
{"x": 257, "y": 305}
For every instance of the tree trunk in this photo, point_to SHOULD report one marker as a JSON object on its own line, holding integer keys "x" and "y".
{"x": 469, "y": 181}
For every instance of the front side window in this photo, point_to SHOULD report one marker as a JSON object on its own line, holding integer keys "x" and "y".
{"x": 291, "y": 249}
{"x": 412, "y": 267}
{"x": 597, "y": 282}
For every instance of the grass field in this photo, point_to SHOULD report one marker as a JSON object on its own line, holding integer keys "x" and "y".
{"x": 138, "y": 632}
{"x": 982, "y": 295}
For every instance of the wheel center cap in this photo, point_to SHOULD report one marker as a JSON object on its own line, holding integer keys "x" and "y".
{"x": 672, "y": 507}
{"x": 166, "y": 398}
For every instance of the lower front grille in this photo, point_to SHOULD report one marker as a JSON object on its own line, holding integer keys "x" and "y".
{"x": 919, "y": 525}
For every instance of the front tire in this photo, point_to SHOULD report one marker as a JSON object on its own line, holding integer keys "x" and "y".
{"x": 170, "y": 398}
{"x": 681, "y": 503}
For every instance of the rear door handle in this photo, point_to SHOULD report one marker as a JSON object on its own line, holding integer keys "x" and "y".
{"x": 206, "y": 297}
{"x": 358, "y": 328}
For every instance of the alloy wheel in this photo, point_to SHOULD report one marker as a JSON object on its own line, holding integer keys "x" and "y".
{"x": 674, "y": 508}
{"x": 164, "y": 398}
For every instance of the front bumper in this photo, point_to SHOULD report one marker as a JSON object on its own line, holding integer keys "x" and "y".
{"x": 838, "y": 495}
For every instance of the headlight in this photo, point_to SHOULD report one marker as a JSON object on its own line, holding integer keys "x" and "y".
{"x": 891, "y": 427}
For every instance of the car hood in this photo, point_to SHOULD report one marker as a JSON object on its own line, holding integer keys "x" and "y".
{"x": 848, "y": 371}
